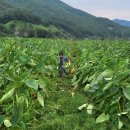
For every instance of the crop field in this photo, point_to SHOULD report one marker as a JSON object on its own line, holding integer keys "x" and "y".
{"x": 94, "y": 96}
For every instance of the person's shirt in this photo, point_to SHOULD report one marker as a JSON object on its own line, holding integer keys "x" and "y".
{"x": 63, "y": 59}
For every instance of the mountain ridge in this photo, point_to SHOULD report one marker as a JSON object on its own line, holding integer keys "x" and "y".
{"x": 122, "y": 22}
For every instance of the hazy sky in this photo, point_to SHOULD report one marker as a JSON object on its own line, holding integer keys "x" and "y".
{"x": 103, "y": 8}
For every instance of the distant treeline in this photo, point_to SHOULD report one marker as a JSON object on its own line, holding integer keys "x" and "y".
{"x": 18, "y": 14}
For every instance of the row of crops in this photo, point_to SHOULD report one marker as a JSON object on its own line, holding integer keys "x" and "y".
{"x": 103, "y": 74}
{"x": 96, "y": 94}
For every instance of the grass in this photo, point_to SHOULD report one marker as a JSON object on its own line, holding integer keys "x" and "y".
{"x": 61, "y": 110}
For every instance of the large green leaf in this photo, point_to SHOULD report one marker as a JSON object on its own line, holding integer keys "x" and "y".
{"x": 7, "y": 123}
{"x": 1, "y": 120}
{"x": 89, "y": 109}
{"x": 85, "y": 79}
{"x": 102, "y": 118}
{"x": 122, "y": 75}
{"x": 40, "y": 99}
{"x": 23, "y": 58}
{"x": 126, "y": 92}
{"x": 108, "y": 86}
{"x": 32, "y": 83}
{"x": 8, "y": 95}
{"x": 120, "y": 124}
{"x": 91, "y": 77}
{"x": 87, "y": 87}
{"x": 83, "y": 106}
{"x": 18, "y": 109}
{"x": 108, "y": 73}
{"x": 41, "y": 83}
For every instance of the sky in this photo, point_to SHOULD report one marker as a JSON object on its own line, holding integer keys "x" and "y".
{"x": 111, "y": 9}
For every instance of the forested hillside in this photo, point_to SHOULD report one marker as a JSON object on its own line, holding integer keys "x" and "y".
{"x": 70, "y": 22}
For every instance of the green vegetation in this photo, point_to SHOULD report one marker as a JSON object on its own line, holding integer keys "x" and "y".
{"x": 25, "y": 29}
{"x": 95, "y": 96}
{"x": 73, "y": 22}
{"x": 24, "y": 23}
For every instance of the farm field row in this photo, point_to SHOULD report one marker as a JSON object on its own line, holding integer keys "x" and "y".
{"x": 95, "y": 95}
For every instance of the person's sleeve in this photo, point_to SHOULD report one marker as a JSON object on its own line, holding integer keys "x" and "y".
{"x": 66, "y": 59}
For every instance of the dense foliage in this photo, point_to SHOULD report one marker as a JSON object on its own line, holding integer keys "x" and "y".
{"x": 103, "y": 74}
{"x": 18, "y": 14}
{"x": 96, "y": 95}
{"x": 25, "y": 29}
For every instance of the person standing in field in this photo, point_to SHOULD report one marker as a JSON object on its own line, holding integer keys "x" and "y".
{"x": 61, "y": 67}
